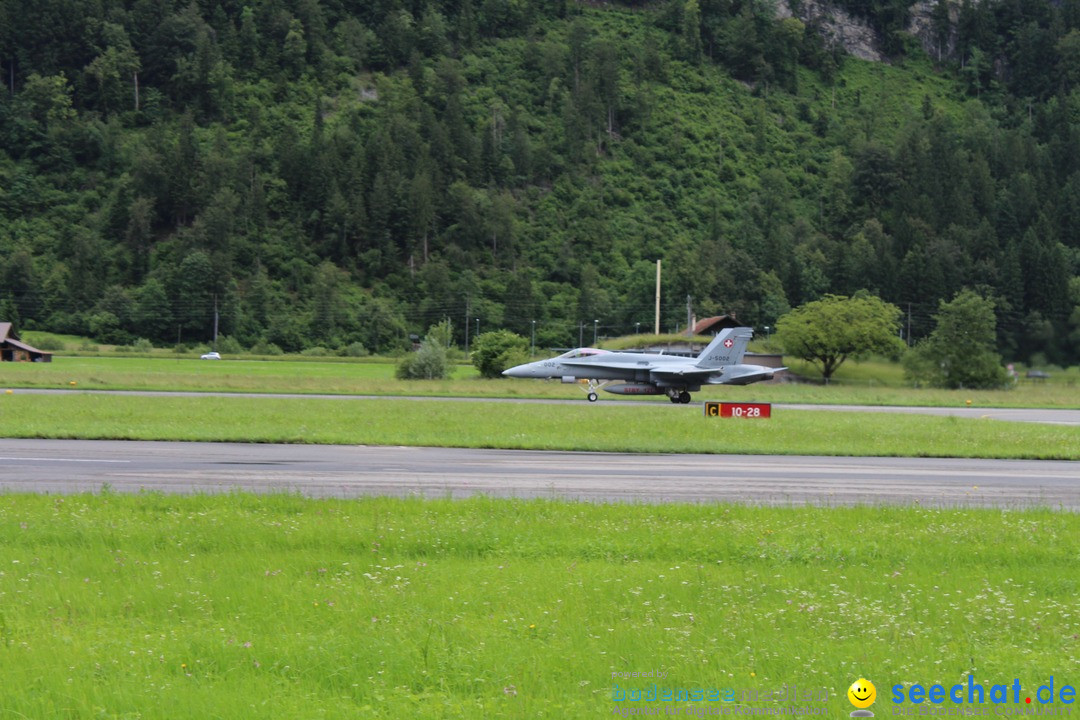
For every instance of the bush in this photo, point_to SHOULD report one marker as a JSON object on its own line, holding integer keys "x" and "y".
{"x": 229, "y": 345}
{"x": 427, "y": 363}
{"x": 143, "y": 345}
{"x": 355, "y": 349}
{"x": 496, "y": 351}
{"x": 266, "y": 348}
{"x": 315, "y": 352}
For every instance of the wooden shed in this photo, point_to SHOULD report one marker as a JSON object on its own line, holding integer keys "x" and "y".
{"x": 14, "y": 350}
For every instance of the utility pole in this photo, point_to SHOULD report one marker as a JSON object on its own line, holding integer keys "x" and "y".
{"x": 595, "y": 327}
{"x": 689, "y": 317}
{"x": 656, "y": 329}
{"x": 533, "y": 343}
{"x": 215, "y": 321}
{"x": 466, "y": 326}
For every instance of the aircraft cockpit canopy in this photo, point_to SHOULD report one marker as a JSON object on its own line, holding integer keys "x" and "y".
{"x": 581, "y": 352}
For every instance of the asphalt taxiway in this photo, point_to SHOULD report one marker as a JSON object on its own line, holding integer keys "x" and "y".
{"x": 66, "y": 466}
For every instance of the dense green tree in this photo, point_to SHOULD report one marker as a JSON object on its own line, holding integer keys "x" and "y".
{"x": 151, "y": 316}
{"x": 827, "y": 332}
{"x": 960, "y": 352}
{"x": 115, "y": 70}
{"x": 1068, "y": 53}
{"x": 493, "y": 352}
{"x": 19, "y": 283}
{"x": 690, "y": 35}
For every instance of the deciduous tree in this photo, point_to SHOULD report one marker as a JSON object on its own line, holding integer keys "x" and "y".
{"x": 827, "y": 332}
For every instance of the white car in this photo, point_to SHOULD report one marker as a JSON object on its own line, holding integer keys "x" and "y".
{"x": 211, "y": 356}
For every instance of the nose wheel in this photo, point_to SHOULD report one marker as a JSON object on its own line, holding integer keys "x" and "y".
{"x": 593, "y": 386}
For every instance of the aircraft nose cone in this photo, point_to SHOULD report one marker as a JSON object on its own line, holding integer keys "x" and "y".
{"x": 518, "y": 371}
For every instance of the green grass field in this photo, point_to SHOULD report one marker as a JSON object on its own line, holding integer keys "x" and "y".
{"x": 538, "y": 426}
{"x": 242, "y": 606}
{"x": 238, "y": 606}
{"x": 871, "y": 383}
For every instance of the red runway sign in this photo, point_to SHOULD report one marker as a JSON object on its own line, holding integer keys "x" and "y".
{"x": 738, "y": 410}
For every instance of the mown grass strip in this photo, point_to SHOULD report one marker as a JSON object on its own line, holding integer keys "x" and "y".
{"x": 532, "y": 426}
{"x": 240, "y": 606}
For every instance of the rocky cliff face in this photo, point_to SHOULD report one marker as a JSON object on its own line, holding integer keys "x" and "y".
{"x": 860, "y": 40}
{"x": 921, "y": 25}
{"x": 839, "y": 28}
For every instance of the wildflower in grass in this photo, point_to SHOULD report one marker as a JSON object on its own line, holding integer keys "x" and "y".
{"x": 510, "y": 690}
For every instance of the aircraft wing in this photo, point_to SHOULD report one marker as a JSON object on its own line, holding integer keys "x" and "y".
{"x": 614, "y": 365}
{"x": 688, "y": 371}
{"x": 744, "y": 377}
{"x": 656, "y": 369}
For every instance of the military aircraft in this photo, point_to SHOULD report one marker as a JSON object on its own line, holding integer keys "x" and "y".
{"x": 630, "y": 373}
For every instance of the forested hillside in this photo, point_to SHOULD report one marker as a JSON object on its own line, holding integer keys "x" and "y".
{"x": 344, "y": 172}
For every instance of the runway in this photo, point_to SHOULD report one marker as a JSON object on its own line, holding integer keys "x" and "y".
{"x": 66, "y": 466}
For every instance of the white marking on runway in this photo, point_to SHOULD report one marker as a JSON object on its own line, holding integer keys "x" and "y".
{"x": 67, "y": 460}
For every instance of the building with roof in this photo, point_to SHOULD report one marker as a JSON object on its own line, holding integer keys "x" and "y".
{"x": 12, "y": 349}
{"x": 713, "y": 325}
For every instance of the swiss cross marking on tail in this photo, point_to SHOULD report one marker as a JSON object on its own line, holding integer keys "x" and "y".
{"x": 728, "y": 343}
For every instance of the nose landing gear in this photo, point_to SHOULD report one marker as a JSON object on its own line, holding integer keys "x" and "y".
{"x": 593, "y": 386}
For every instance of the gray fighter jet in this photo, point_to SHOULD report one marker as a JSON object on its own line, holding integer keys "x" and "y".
{"x": 626, "y": 373}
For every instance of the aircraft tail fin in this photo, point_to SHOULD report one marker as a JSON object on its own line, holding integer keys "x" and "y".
{"x": 727, "y": 348}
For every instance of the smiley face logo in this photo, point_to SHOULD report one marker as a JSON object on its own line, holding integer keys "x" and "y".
{"x": 862, "y": 693}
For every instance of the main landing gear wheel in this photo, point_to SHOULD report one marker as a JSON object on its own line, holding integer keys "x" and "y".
{"x": 593, "y": 397}
{"x": 684, "y": 397}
